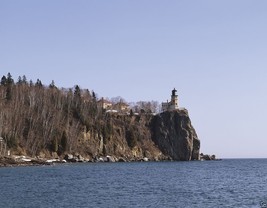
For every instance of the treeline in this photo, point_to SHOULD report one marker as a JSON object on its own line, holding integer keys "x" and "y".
{"x": 35, "y": 117}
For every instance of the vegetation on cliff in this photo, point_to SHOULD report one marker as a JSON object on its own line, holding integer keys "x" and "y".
{"x": 45, "y": 120}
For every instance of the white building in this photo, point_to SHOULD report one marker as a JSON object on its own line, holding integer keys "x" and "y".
{"x": 104, "y": 104}
{"x": 173, "y": 104}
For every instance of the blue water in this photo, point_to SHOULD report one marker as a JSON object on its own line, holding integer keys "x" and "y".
{"x": 227, "y": 183}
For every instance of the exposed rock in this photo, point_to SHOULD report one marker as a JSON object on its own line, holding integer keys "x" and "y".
{"x": 74, "y": 158}
{"x": 87, "y": 129}
{"x": 122, "y": 160}
{"x": 69, "y": 157}
{"x": 207, "y": 157}
{"x": 17, "y": 161}
{"x": 80, "y": 158}
{"x": 145, "y": 159}
{"x": 166, "y": 136}
{"x": 175, "y": 136}
{"x": 7, "y": 161}
{"x": 52, "y": 161}
{"x": 110, "y": 159}
{"x": 26, "y": 159}
{"x": 146, "y": 137}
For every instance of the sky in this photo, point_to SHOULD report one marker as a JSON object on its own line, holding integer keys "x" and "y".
{"x": 213, "y": 52}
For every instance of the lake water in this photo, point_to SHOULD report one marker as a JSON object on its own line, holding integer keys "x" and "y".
{"x": 226, "y": 183}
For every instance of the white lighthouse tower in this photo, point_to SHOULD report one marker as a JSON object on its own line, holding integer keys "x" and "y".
{"x": 174, "y": 100}
{"x": 173, "y": 104}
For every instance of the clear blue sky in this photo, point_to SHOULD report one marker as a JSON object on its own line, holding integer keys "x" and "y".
{"x": 213, "y": 52}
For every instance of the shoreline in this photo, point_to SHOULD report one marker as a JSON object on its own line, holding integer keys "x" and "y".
{"x": 11, "y": 162}
{"x": 27, "y": 162}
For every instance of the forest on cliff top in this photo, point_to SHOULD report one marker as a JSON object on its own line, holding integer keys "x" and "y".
{"x": 35, "y": 118}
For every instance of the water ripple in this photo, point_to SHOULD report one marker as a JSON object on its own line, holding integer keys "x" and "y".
{"x": 227, "y": 183}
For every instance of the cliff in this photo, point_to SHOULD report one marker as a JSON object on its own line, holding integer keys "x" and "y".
{"x": 122, "y": 136}
{"x": 166, "y": 136}
{"x": 175, "y": 136}
{"x": 49, "y": 122}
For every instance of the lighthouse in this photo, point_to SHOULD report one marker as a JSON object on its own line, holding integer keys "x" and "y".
{"x": 174, "y": 100}
{"x": 173, "y": 104}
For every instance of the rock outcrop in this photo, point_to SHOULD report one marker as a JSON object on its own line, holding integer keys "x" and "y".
{"x": 175, "y": 136}
{"x": 207, "y": 157}
{"x": 48, "y": 123}
{"x": 166, "y": 136}
{"x": 145, "y": 137}
{"x": 122, "y": 136}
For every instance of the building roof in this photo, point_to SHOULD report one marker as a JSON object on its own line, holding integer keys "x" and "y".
{"x": 121, "y": 105}
{"x": 104, "y": 101}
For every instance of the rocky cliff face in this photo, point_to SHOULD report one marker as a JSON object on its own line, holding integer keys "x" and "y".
{"x": 175, "y": 136}
{"x": 50, "y": 122}
{"x": 168, "y": 135}
{"x": 122, "y": 136}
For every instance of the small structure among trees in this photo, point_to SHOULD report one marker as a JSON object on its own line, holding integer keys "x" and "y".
{"x": 117, "y": 106}
{"x": 104, "y": 104}
{"x": 121, "y": 107}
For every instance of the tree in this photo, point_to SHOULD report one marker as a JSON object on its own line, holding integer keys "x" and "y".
{"x": 19, "y": 80}
{"x": 38, "y": 83}
{"x": 87, "y": 95}
{"x": 93, "y": 95}
{"x": 9, "y": 80}
{"x": 54, "y": 145}
{"x": 155, "y": 107}
{"x": 118, "y": 99}
{"x": 147, "y": 106}
{"x": 52, "y": 85}
{"x": 3, "y": 80}
{"x": 77, "y": 91}
{"x": 24, "y": 79}
{"x": 8, "y": 92}
{"x": 64, "y": 141}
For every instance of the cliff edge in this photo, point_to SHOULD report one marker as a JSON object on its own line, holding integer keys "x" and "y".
{"x": 51, "y": 123}
{"x": 166, "y": 136}
{"x": 175, "y": 136}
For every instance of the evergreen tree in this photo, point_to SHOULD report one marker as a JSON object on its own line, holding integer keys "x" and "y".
{"x": 77, "y": 92}
{"x": 38, "y": 83}
{"x": 94, "y": 95}
{"x": 3, "y": 80}
{"x": 24, "y": 79}
{"x": 19, "y": 80}
{"x": 9, "y": 80}
{"x": 52, "y": 85}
